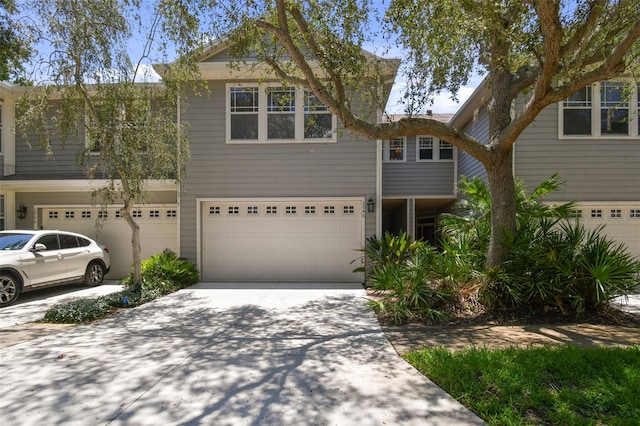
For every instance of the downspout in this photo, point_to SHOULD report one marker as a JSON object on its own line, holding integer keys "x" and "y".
{"x": 179, "y": 168}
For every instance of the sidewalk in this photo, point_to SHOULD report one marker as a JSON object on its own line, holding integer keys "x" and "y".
{"x": 409, "y": 338}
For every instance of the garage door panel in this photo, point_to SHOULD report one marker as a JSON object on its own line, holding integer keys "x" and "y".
{"x": 310, "y": 240}
{"x": 158, "y": 230}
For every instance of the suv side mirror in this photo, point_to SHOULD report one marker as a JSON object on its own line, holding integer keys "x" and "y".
{"x": 39, "y": 247}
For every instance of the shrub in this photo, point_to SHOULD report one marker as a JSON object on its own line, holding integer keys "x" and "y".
{"x": 162, "y": 274}
{"x": 79, "y": 311}
{"x": 554, "y": 263}
{"x": 405, "y": 281}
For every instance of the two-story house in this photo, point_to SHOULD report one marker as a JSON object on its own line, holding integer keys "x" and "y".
{"x": 591, "y": 139}
{"x": 276, "y": 191}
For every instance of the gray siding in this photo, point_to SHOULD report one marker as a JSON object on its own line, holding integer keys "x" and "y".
{"x": 479, "y": 129}
{"x": 32, "y": 160}
{"x": 593, "y": 170}
{"x": 419, "y": 179}
{"x": 219, "y": 170}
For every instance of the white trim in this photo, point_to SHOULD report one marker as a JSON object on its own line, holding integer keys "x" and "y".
{"x": 386, "y": 150}
{"x": 596, "y": 108}
{"x": 201, "y": 200}
{"x": 74, "y": 185}
{"x": 421, "y": 197}
{"x": 263, "y": 114}
{"x": 435, "y": 148}
{"x": 379, "y": 187}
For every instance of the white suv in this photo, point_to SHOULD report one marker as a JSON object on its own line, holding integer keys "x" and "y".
{"x": 35, "y": 259}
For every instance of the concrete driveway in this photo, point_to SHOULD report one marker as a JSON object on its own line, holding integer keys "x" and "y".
{"x": 216, "y": 354}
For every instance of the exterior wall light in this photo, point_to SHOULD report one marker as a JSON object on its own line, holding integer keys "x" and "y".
{"x": 21, "y": 211}
{"x": 371, "y": 205}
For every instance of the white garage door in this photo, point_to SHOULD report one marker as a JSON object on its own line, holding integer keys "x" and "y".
{"x": 158, "y": 230}
{"x": 622, "y": 223}
{"x": 312, "y": 240}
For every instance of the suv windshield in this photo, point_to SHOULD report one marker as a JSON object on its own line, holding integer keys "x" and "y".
{"x": 14, "y": 241}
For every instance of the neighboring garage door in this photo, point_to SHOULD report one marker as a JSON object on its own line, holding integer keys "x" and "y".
{"x": 622, "y": 223}
{"x": 312, "y": 240}
{"x": 158, "y": 230}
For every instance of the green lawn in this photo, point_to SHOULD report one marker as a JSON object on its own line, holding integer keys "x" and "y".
{"x": 548, "y": 385}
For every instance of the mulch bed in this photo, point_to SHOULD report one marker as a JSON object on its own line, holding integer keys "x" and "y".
{"x": 470, "y": 312}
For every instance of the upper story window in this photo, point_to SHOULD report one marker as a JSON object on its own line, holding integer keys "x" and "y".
{"x": 394, "y": 149}
{"x": 602, "y": 110}
{"x": 262, "y": 113}
{"x": 429, "y": 148}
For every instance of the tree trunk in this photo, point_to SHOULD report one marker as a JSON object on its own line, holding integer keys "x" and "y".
{"x": 503, "y": 206}
{"x": 135, "y": 245}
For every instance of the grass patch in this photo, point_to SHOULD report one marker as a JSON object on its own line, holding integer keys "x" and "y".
{"x": 547, "y": 385}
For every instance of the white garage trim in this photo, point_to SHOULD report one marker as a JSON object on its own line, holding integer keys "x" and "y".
{"x": 621, "y": 220}
{"x": 249, "y": 225}
{"x": 158, "y": 228}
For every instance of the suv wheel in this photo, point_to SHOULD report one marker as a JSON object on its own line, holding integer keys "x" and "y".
{"x": 9, "y": 289}
{"x": 94, "y": 274}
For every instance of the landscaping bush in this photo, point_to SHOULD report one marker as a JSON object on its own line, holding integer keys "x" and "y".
{"x": 79, "y": 311}
{"x": 555, "y": 263}
{"x": 162, "y": 274}
{"x": 404, "y": 279}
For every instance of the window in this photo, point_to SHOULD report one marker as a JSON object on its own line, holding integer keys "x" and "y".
{"x": 244, "y": 112}
{"x": 281, "y": 113}
{"x": 68, "y": 241}
{"x": 429, "y": 148}
{"x": 50, "y": 241}
{"x": 309, "y": 209}
{"x": 425, "y": 148}
{"x": 103, "y": 214}
{"x": 252, "y": 209}
{"x": 634, "y": 213}
{"x": 446, "y": 150}
{"x": 272, "y": 210}
{"x": 595, "y": 213}
{"x": 615, "y": 213}
{"x": 329, "y": 210}
{"x": 154, "y": 213}
{"x": 214, "y": 210}
{"x": 349, "y": 210}
{"x": 577, "y": 113}
{"x": 233, "y": 210}
{"x": 264, "y": 113}
{"x": 602, "y": 110}
{"x": 69, "y": 215}
{"x": 290, "y": 210}
{"x": 136, "y": 213}
{"x": 394, "y": 149}
{"x": 172, "y": 213}
{"x": 85, "y": 214}
{"x": 318, "y": 121}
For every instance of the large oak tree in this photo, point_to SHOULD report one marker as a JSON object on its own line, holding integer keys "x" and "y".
{"x": 541, "y": 51}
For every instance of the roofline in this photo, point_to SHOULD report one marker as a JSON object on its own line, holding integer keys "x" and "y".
{"x": 478, "y": 98}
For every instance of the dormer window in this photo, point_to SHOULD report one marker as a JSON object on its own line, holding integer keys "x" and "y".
{"x": 394, "y": 150}
{"x": 261, "y": 113}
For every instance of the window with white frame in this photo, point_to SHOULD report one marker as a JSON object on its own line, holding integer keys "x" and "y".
{"x": 394, "y": 149}
{"x": 262, "y": 113}
{"x": 429, "y": 148}
{"x": 601, "y": 110}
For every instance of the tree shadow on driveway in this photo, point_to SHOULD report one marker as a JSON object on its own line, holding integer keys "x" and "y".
{"x": 192, "y": 358}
